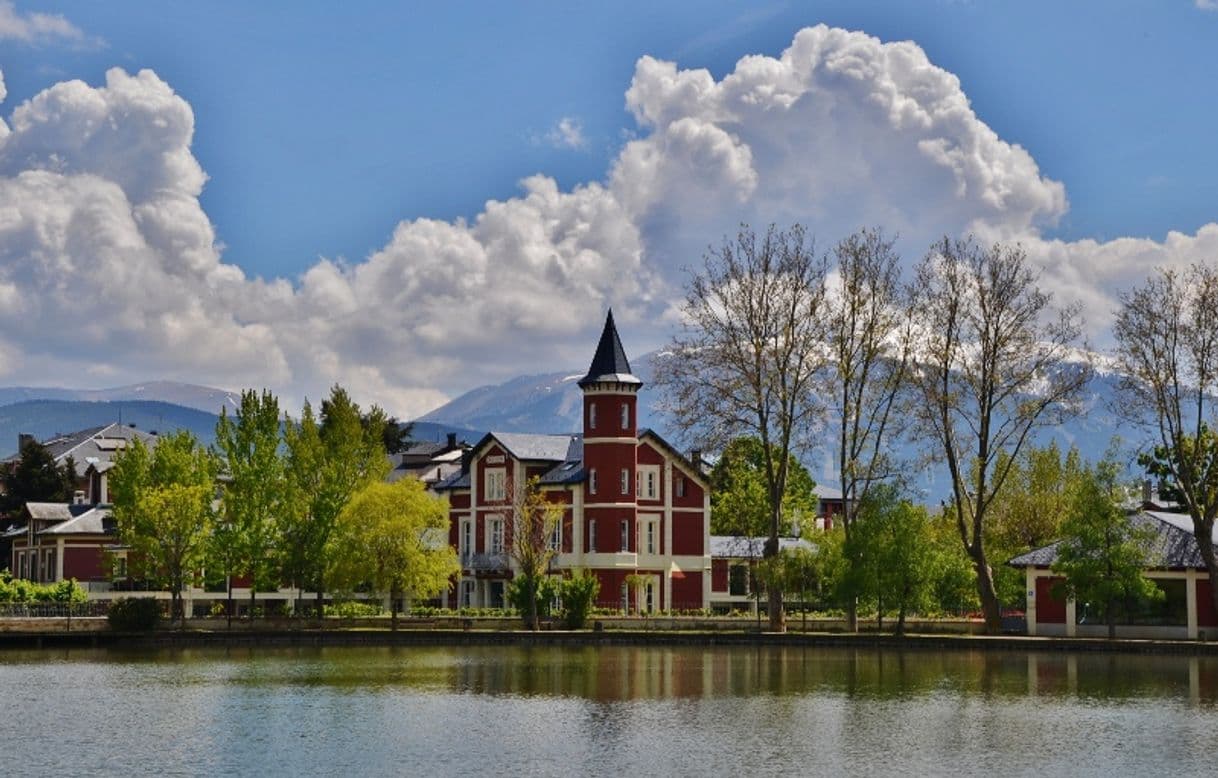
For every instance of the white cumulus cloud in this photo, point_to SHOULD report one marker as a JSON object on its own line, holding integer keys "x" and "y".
{"x": 567, "y": 133}
{"x": 110, "y": 269}
{"x": 35, "y": 27}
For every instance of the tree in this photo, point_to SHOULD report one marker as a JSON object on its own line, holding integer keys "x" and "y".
{"x": 992, "y": 368}
{"x": 738, "y": 491}
{"x": 869, "y": 319}
{"x": 578, "y": 592}
{"x": 1167, "y": 351}
{"x": 529, "y": 541}
{"x": 36, "y": 478}
{"x": 1102, "y": 553}
{"x": 253, "y": 487}
{"x": 326, "y": 464}
{"x": 162, "y": 508}
{"x": 892, "y": 555}
{"x": 392, "y": 538}
{"x": 1029, "y": 509}
{"x": 745, "y": 362}
{"x": 395, "y": 435}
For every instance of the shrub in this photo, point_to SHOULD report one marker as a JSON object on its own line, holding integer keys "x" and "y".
{"x": 134, "y": 614}
{"x": 351, "y": 609}
{"x": 578, "y": 592}
{"x": 518, "y": 595}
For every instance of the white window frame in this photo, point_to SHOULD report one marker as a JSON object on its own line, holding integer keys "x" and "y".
{"x": 465, "y": 540}
{"x": 680, "y": 487}
{"x": 648, "y": 482}
{"x": 495, "y": 484}
{"x": 591, "y": 416}
{"x": 554, "y": 542}
{"x": 591, "y": 536}
{"x": 625, "y": 481}
{"x": 650, "y": 533}
{"x": 468, "y": 587}
{"x": 625, "y": 415}
{"x": 625, "y": 536}
{"x": 592, "y": 481}
{"x": 494, "y": 534}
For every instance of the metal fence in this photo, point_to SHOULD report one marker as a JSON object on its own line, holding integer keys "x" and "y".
{"x": 52, "y": 610}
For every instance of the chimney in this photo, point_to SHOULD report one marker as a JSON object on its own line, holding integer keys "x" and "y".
{"x": 78, "y": 497}
{"x": 695, "y": 456}
{"x": 452, "y": 441}
{"x": 23, "y": 439}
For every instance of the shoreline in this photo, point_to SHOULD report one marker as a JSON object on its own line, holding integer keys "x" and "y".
{"x": 584, "y": 638}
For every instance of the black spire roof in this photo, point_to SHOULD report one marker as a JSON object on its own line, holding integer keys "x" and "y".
{"x": 609, "y": 365}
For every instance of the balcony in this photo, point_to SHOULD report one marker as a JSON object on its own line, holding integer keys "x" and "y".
{"x": 485, "y": 563}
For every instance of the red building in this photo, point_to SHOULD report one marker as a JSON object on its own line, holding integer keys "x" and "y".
{"x": 634, "y": 506}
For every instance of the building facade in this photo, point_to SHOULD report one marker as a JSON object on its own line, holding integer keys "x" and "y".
{"x": 636, "y": 512}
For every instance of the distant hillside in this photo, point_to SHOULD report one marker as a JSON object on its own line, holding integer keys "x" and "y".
{"x": 433, "y": 432}
{"x": 201, "y": 398}
{"x": 45, "y": 418}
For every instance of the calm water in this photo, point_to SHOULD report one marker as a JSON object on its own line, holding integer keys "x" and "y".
{"x": 609, "y": 711}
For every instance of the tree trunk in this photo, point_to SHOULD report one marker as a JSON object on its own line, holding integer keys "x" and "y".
{"x": 1207, "y": 555}
{"x": 900, "y": 630}
{"x": 532, "y": 613}
{"x": 395, "y": 595}
{"x": 253, "y": 591}
{"x": 879, "y": 613}
{"x": 991, "y": 608}
{"x": 1111, "y": 619}
{"x": 228, "y": 608}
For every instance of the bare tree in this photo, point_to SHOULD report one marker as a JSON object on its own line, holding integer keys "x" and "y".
{"x": 1167, "y": 349}
{"x": 749, "y": 350}
{"x": 531, "y": 540}
{"x": 869, "y": 334}
{"x": 991, "y": 368}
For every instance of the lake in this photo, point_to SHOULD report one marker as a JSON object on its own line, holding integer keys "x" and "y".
{"x": 605, "y": 711}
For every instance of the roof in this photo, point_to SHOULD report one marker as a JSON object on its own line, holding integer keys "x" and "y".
{"x": 745, "y": 547}
{"x": 1173, "y": 544}
{"x": 458, "y": 480}
{"x": 824, "y": 492}
{"x": 553, "y": 448}
{"x": 93, "y": 445}
{"x": 49, "y": 511}
{"x": 93, "y": 522}
{"x": 609, "y": 363}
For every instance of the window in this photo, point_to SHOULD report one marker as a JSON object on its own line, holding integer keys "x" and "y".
{"x": 494, "y": 535}
{"x": 738, "y": 580}
{"x": 625, "y": 598}
{"x": 625, "y": 416}
{"x": 625, "y": 535}
{"x": 467, "y": 594}
{"x": 592, "y": 481}
{"x": 591, "y": 416}
{"x": 554, "y": 542}
{"x": 648, "y": 482}
{"x": 680, "y": 486}
{"x": 496, "y": 483}
{"x": 649, "y": 536}
{"x": 465, "y": 541}
{"x": 625, "y": 480}
{"x": 592, "y": 535}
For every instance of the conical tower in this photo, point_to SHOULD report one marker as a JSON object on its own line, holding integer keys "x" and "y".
{"x": 610, "y": 446}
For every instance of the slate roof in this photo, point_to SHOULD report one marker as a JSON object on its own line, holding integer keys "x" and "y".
{"x": 93, "y": 445}
{"x": 458, "y": 480}
{"x": 525, "y": 446}
{"x": 609, "y": 363}
{"x": 745, "y": 547}
{"x": 49, "y": 511}
{"x": 1173, "y": 545}
{"x": 93, "y": 522}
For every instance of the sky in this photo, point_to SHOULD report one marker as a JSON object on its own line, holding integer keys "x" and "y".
{"x": 415, "y": 200}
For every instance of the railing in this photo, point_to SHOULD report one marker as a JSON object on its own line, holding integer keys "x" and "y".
{"x": 485, "y": 562}
{"x": 52, "y": 610}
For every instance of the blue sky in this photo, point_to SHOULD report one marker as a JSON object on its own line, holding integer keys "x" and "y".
{"x": 322, "y": 130}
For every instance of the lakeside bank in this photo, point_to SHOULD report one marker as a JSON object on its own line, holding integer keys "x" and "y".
{"x": 88, "y": 633}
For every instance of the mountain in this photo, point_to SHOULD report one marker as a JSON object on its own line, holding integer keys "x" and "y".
{"x": 545, "y": 403}
{"x": 551, "y": 403}
{"x": 45, "y": 418}
{"x": 201, "y": 398}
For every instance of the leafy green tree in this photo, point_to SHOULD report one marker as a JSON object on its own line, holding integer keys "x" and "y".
{"x": 578, "y": 592}
{"x": 254, "y": 486}
{"x": 35, "y": 478}
{"x": 1103, "y": 554}
{"x": 1028, "y": 510}
{"x": 327, "y": 463}
{"x": 392, "y": 538}
{"x": 533, "y": 521}
{"x": 893, "y": 551}
{"x": 739, "y": 505}
{"x": 162, "y": 507}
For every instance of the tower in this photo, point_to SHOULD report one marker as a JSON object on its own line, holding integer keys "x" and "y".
{"x": 610, "y": 447}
